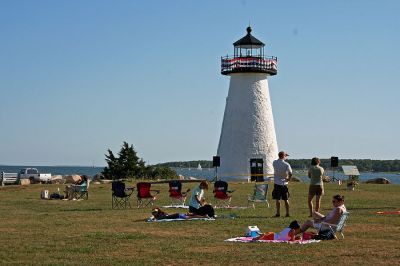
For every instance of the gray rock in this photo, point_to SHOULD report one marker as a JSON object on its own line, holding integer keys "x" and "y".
{"x": 57, "y": 179}
{"x": 379, "y": 180}
{"x": 98, "y": 177}
{"x": 71, "y": 179}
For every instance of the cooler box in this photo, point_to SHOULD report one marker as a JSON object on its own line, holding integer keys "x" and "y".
{"x": 252, "y": 231}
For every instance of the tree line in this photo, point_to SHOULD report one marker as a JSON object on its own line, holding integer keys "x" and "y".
{"x": 188, "y": 164}
{"x": 363, "y": 165}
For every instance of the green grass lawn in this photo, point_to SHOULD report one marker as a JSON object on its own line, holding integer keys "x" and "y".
{"x": 35, "y": 231}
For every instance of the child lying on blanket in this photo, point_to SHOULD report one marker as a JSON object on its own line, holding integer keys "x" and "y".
{"x": 158, "y": 214}
{"x": 288, "y": 234}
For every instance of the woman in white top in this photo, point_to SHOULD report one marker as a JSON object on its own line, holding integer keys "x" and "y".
{"x": 197, "y": 203}
{"x": 333, "y": 217}
{"x": 288, "y": 234}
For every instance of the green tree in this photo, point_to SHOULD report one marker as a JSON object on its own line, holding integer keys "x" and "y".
{"x": 126, "y": 165}
{"x": 129, "y": 165}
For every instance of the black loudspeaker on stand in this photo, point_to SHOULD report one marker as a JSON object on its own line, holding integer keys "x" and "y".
{"x": 216, "y": 161}
{"x": 334, "y": 161}
{"x": 216, "y": 164}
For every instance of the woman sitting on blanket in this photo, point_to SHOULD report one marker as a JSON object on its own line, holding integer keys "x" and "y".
{"x": 288, "y": 234}
{"x": 333, "y": 217}
{"x": 158, "y": 214}
{"x": 197, "y": 203}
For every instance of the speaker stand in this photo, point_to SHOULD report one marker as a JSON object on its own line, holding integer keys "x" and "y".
{"x": 216, "y": 174}
{"x": 334, "y": 178}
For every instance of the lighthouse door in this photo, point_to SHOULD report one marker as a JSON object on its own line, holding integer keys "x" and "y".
{"x": 257, "y": 170}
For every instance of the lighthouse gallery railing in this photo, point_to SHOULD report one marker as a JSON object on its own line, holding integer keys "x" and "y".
{"x": 231, "y": 64}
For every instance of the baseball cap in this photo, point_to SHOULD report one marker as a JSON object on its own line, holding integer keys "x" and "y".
{"x": 282, "y": 153}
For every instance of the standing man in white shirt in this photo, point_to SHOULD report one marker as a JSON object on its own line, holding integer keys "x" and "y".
{"x": 282, "y": 176}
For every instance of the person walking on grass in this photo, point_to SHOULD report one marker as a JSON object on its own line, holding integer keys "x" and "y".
{"x": 282, "y": 175}
{"x": 316, "y": 174}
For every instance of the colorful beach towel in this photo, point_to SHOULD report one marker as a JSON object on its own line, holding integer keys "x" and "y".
{"x": 245, "y": 239}
{"x": 176, "y": 220}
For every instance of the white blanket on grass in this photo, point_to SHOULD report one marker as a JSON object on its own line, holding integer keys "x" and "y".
{"x": 230, "y": 207}
{"x": 176, "y": 206}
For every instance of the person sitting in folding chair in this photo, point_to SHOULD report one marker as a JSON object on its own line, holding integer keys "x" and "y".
{"x": 79, "y": 190}
{"x": 197, "y": 203}
{"x": 144, "y": 196}
{"x": 69, "y": 188}
{"x": 322, "y": 222}
{"x": 120, "y": 195}
{"x": 223, "y": 199}
{"x": 178, "y": 198}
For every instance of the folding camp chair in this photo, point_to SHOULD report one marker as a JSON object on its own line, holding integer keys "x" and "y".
{"x": 80, "y": 191}
{"x": 120, "y": 195}
{"x": 259, "y": 195}
{"x": 176, "y": 195}
{"x": 223, "y": 199}
{"x": 144, "y": 196}
{"x": 335, "y": 228}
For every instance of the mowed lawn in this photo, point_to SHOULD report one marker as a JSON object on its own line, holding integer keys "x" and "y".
{"x": 50, "y": 232}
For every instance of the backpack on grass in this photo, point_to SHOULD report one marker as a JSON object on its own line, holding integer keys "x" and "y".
{"x": 325, "y": 235}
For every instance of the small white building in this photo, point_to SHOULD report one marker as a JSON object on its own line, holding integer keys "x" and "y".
{"x": 247, "y": 145}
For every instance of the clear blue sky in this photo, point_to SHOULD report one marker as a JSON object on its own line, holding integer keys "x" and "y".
{"x": 79, "y": 77}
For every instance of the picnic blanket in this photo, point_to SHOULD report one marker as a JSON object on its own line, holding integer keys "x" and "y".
{"x": 175, "y": 220}
{"x": 176, "y": 206}
{"x": 246, "y": 239}
{"x": 389, "y": 212}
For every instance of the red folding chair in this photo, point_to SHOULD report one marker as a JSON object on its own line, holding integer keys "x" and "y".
{"x": 178, "y": 198}
{"x": 144, "y": 196}
{"x": 221, "y": 196}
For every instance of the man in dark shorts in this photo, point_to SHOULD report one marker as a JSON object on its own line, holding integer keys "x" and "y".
{"x": 282, "y": 175}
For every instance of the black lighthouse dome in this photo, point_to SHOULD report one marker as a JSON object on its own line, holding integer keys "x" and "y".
{"x": 249, "y": 56}
{"x": 248, "y": 41}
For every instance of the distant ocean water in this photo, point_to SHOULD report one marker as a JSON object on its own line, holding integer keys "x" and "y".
{"x": 56, "y": 170}
{"x": 205, "y": 173}
{"x": 209, "y": 174}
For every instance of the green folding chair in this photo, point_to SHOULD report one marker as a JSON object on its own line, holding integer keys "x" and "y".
{"x": 80, "y": 191}
{"x": 259, "y": 195}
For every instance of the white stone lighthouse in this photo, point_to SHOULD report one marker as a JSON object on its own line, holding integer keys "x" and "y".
{"x": 247, "y": 145}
